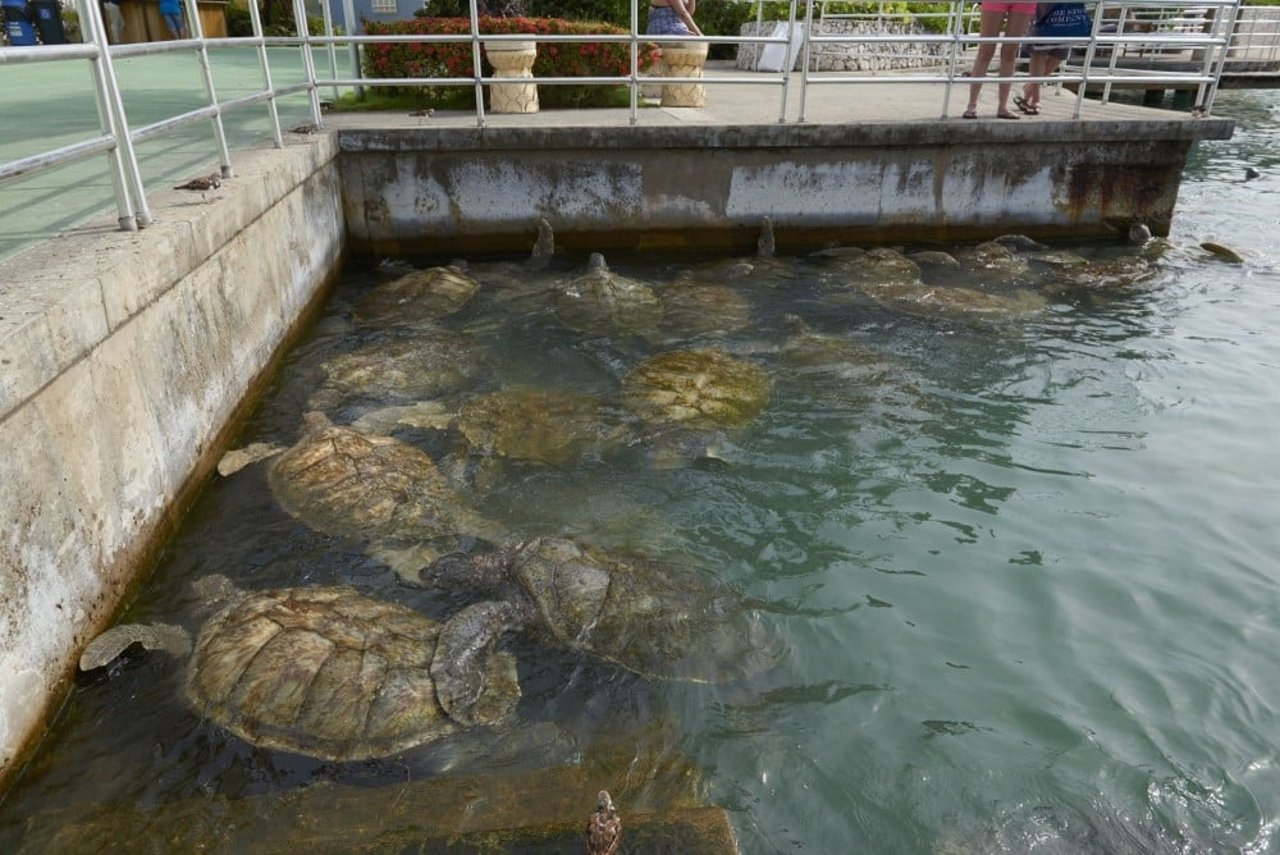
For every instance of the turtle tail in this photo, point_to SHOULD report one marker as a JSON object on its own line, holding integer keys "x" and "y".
{"x": 104, "y": 649}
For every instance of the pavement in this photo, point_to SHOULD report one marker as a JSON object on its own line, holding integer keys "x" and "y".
{"x": 55, "y": 106}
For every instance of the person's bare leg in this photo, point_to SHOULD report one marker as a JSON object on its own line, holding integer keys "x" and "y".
{"x": 989, "y": 28}
{"x": 1035, "y": 68}
{"x": 1050, "y": 65}
{"x": 1018, "y": 22}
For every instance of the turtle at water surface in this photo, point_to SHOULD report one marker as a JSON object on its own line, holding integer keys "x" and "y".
{"x": 602, "y": 302}
{"x": 350, "y": 483}
{"x": 399, "y": 367}
{"x": 696, "y": 388}
{"x": 650, "y": 617}
{"x": 691, "y": 310}
{"x": 328, "y": 672}
{"x": 418, "y": 296}
{"x": 541, "y": 425}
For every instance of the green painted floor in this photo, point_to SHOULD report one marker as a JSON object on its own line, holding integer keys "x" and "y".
{"x": 48, "y": 105}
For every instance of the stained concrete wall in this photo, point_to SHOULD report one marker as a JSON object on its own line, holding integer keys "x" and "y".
{"x": 123, "y": 360}
{"x": 462, "y": 190}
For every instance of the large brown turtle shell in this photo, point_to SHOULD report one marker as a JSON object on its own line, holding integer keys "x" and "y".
{"x": 697, "y": 388}
{"x": 418, "y": 296}
{"x": 343, "y": 482}
{"x": 326, "y": 672}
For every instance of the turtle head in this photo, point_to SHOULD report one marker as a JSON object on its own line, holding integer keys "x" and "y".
{"x": 596, "y": 262}
{"x": 106, "y": 648}
{"x": 604, "y": 803}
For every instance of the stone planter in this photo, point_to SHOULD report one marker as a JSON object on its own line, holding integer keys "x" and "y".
{"x": 684, "y": 59}
{"x": 512, "y": 59}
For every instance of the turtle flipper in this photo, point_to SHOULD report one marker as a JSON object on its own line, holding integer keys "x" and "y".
{"x": 476, "y": 684}
{"x": 235, "y": 460}
{"x": 104, "y": 649}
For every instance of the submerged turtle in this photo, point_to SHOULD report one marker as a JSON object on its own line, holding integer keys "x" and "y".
{"x": 691, "y": 310}
{"x": 846, "y": 267}
{"x": 418, "y": 296}
{"x": 607, "y": 303}
{"x": 652, "y": 618}
{"x": 345, "y": 482}
{"x": 957, "y": 303}
{"x": 696, "y": 388}
{"x": 540, "y": 425}
{"x": 996, "y": 263}
{"x": 328, "y": 672}
{"x": 836, "y": 368}
{"x": 423, "y": 365}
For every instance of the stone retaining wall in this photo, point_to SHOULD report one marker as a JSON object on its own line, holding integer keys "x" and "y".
{"x": 852, "y": 56}
{"x": 126, "y": 360}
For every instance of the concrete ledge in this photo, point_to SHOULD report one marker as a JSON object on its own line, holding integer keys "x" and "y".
{"x": 126, "y": 359}
{"x": 463, "y": 190}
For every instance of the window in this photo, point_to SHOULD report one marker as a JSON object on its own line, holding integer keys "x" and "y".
{"x": 384, "y": 7}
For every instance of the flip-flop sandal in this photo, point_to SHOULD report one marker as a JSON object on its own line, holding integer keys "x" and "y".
{"x": 1005, "y": 114}
{"x": 1025, "y": 106}
{"x": 970, "y": 114}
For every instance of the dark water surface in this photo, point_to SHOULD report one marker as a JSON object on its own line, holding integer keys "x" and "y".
{"x": 1023, "y": 567}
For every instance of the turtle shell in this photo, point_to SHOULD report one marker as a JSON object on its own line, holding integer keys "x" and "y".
{"x": 601, "y": 302}
{"x": 697, "y": 388}
{"x": 343, "y": 482}
{"x": 401, "y": 367}
{"x": 650, "y": 617}
{"x": 694, "y": 310}
{"x": 418, "y": 296}
{"x": 542, "y": 425}
{"x": 328, "y": 672}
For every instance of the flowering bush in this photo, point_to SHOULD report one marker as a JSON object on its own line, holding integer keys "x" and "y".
{"x": 453, "y": 59}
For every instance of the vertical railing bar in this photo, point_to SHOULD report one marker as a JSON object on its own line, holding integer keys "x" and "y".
{"x": 635, "y": 61}
{"x": 106, "y": 119}
{"x": 133, "y": 175}
{"x": 327, "y": 16}
{"x": 255, "y": 19}
{"x": 1088, "y": 56}
{"x": 955, "y": 20}
{"x": 1208, "y": 98}
{"x": 755, "y": 66}
{"x": 476, "y": 67}
{"x": 1121, "y": 23}
{"x": 210, "y": 91}
{"x": 789, "y": 61}
{"x": 308, "y": 61}
{"x": 353, "y": 50}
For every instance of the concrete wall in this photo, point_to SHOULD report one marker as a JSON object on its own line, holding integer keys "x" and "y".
{"x": 468, "y": 190}
{"x": 123, "y": 361}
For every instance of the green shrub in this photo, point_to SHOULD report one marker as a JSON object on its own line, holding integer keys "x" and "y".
{"x": 453, "y": 59}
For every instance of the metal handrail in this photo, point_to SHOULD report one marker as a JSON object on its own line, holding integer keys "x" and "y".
{"x": 1218, "y": 34}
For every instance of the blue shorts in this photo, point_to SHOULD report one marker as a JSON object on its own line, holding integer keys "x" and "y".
{"x": 174, "y": 23}
{"x": 663, "y": 21}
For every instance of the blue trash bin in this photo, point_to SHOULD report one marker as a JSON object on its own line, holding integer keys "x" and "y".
{"x": 48, "y": 21}
{"x": 17, "y": 23}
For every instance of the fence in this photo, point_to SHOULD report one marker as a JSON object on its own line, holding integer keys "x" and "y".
{"x": 1204, "y": 27}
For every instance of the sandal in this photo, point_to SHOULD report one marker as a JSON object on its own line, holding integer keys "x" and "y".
{"x": 1026, "y": 106}
{"x": 970, "y": 114}
{"x": 1005, "y": 114}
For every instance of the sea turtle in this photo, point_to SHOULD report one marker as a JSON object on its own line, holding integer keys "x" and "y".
{"x": 549, "y": 426}
{"x": 690, "y": 310}
{"x": 956, "y": 303}
{"x": 696, "y": 388}
{"x": 418, "y": 296}
{"x": 996, "y": 264}
{"x": 328, "y": 672}
{"x": 653, "y": 618}
{"x": 349, "y": 483}
{"x": 401, "y": 366}
{"x": 838, "y": 369}
{"x": 602, "y": 302}
{"x": 848, "y": 272}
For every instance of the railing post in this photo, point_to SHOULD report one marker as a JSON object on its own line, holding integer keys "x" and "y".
{"x": 255, "y": 17}
{"x": 202, "y": 52}
{"x": 787, "y": 60}
{"x": 353, "y": 50}
{"x": 1121, "y": 23}
{"x": 308, "y": 61}
{"x": 635, "y": 61}
{"x": 1088, "y": 57}
{"x": 955, "y": 20}
{"x": 106, "y": 118}
{"x": 1204, "y": 99}
{"x": 327, "y": 16}
{"x": 476, "y": 67}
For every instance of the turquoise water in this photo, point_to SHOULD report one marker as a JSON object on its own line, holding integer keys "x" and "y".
{"x": 1024, "y": 577}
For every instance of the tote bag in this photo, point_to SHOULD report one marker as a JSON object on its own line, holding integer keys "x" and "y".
{"x": 1064, "y": 21}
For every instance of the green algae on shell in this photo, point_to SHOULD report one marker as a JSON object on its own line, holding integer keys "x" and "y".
{"x": 697, "y": 388}
{"x": 602, "y": 302}
{"x": 328, "y": 672}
